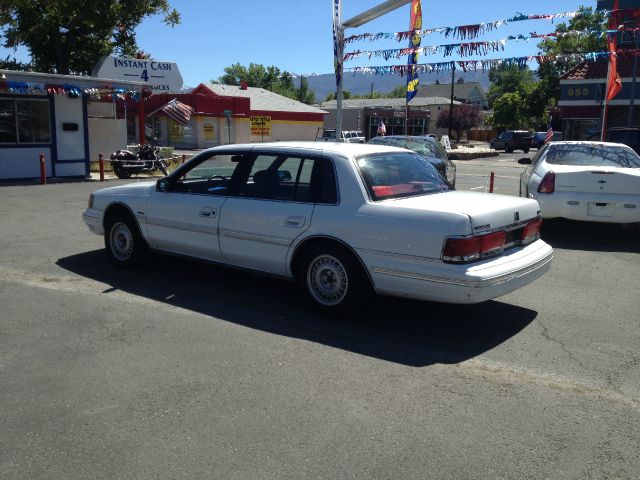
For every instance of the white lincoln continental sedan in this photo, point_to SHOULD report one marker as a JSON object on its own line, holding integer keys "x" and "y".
{"x": 342, "y": 220}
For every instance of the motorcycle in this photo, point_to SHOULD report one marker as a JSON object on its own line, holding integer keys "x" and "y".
{"x": 148, "y": 160}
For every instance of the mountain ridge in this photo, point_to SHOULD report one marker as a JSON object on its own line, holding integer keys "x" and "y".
{"x": 362, "y": 83}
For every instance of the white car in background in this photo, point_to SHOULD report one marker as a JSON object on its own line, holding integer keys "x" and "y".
{"x": 342, "y": 220}
{"x": 588, "y": 181}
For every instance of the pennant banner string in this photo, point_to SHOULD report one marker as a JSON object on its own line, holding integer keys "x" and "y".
{"x": 486, "y": 64}
{"x": 462, "y": 49}
{"x": 461, "y": 32}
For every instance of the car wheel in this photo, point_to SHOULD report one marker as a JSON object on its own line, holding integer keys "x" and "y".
{"x": 526, "y": 150}
{"x": 333, "y": 280}
{"x": 123, "y": 240}
{"x": 121, "y": 172}
{"x": 508, "y": 149}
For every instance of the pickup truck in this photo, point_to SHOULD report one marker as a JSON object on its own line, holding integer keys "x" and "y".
{"x": 348, "y": 136}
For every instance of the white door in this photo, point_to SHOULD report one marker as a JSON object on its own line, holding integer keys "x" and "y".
{"x": 183, "y": 214}
{"x": 274, "y": 206}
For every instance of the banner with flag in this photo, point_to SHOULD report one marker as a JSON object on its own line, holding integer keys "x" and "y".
{"x": 414, "y": 42}
{"x": 178, "y": 111}
{"x": 338, "y": 39}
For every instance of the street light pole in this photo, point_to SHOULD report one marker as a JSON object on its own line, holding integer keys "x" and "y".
{"x": 354, "y": 22}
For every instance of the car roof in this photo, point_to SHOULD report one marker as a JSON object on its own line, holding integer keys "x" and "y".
{"x": 589, "y": 142}
{"x": 338, "y": 148}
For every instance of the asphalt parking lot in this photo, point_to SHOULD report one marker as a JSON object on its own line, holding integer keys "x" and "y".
{"x": 183, "y": 370}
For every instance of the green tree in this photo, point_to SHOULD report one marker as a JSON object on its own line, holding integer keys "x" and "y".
{"x": 509, "y": 79}
{"x": 270, "y": 78}
{"x": 547, "y": 90}
{"x": 399, "y": 92}
{"x": 510, "y": 111}
{"x": 70, "y": 36}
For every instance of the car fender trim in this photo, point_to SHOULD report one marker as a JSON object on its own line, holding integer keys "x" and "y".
{"x": 191, "y": 227}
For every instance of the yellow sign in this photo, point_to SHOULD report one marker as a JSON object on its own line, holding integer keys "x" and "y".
{"x": 261, "y": 126}
{"x": 209, "y": 133}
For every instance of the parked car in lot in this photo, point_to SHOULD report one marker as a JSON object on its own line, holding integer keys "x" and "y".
{"x": 539, "y": 137}
{"x": 511, "y": 140}
{"x": 347, "y": 136}
{"x": 342, "y": 220}
{"x": 427, "y": 147}
{"x": 591, "y": 181}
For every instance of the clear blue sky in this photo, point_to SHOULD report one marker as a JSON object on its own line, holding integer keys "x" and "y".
{"x": 295, "y": 35}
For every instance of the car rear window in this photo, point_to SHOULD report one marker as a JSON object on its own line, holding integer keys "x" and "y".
{"x": 593, "y": 156}
{"x": 399, "y": 175}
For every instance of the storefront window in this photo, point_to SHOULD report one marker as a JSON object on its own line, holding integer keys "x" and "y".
{"x": 33, "y": 125}
{"x": 33, "y": 121}
{"x": 581, "y": 129}
{"x": 7, "y": 121}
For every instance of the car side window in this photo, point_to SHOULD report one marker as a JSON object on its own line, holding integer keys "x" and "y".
{"x": 279, "y": 177}
{"x": 210, "y": 176}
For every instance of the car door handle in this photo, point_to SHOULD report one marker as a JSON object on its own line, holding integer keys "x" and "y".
{"x": 295, "y": 222}
{"x": 207, "y": 212}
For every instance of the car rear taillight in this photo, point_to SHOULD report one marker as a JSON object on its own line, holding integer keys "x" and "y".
{"x": 531, "y": 231}
{"x": 467, "y": 249}
{"x": 548, "y": 183}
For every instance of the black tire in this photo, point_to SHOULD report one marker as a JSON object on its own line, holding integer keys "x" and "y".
{"x": 121, "y": 172}
{"x": 123, "y": 240}
{"x": 525, "y": 150}
{"x": 508, "y": 149}
{"x": 332, "y": 279}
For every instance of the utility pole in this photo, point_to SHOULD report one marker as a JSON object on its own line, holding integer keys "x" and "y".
{"x": 355, "y": 22}
{"x": 453, "y": 77}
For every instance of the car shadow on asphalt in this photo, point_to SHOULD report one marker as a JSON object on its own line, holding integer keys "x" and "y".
{"x": 403, "y": 331}
{"x": 591, "y": 236}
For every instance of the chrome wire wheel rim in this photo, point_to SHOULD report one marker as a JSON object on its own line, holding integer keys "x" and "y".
{"x": 327, "y": 280}
{"x": 121, "y": 241}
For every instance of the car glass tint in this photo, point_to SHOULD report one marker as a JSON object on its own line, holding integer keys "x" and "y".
{"x": 399, "y": 175}
{"x": 279, "y": 177}
{"x": 323, "y": 183}
{"x": 593, "y": 156}
{"x": 216, "y": 165}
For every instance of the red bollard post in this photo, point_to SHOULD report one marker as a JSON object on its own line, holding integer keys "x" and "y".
{"x": 43, "y": 170}
{"x": 101, "y": 164}
{"x": 491, "y": 182}
{"x": 184, "y": 158}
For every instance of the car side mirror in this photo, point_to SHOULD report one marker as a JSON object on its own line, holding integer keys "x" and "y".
{"x": 525, "y": 161}
{"x": 162, "y": 185}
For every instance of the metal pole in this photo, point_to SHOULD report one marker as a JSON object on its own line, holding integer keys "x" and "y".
{"x": 453, "y": 73}
{"x": 339, "y": 92}
{"x": 406, "y": 117}
{"x": 636, "y": 33}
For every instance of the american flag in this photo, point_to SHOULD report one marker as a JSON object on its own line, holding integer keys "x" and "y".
{"x": 382, "y": 129}
{"x": 178, "y": 111}
{"x": 549, "y": 135}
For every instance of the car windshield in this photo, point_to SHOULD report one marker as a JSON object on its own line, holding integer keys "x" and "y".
{"x": 399, "y": 175}
{"x": 593, "y": 156}
{"x": 421, "y": 146}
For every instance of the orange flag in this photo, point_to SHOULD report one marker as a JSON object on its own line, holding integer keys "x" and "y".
{"x": 614, "y": 83}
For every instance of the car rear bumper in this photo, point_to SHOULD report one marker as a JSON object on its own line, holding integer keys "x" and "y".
{"x": 590, "y": 207}
{"x": 470, "y": 283}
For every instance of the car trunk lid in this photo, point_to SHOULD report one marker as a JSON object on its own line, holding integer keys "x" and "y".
{"x": 486, "y": 212}
{"x": 602, "y": 180}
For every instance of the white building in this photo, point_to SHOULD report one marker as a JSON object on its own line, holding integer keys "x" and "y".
{"x": 70, "y": 119}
